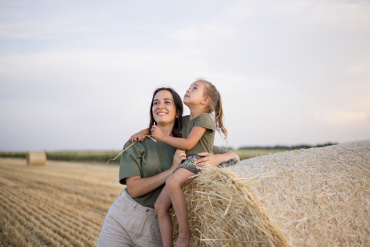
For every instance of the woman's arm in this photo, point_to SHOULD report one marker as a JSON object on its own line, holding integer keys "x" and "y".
{"x": 182, "y": 143}
{"x": 216, "y": 159}
{"x": 138, "y": 186}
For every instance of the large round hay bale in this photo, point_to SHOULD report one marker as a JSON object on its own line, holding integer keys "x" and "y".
{"x": 36, "y": 158}
{"x": 308, "y": 197}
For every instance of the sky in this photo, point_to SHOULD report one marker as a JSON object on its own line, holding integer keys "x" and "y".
{"x": 79, "y": 75}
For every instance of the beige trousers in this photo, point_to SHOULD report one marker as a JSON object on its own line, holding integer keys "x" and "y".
{"x": 129, "y": 224}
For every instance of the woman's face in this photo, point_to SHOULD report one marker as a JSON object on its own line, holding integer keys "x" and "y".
{"x": 164, "y": 109}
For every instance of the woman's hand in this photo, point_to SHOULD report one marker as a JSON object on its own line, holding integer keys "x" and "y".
{"x": 139, "y": 136}
{"x": 178, "y": 157}
{"x": 216, "y": 159}
{"x": 208, "y": 159}
{"x": 156, "y": 132}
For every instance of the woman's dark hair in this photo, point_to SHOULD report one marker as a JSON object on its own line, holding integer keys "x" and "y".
{"x": 176, "y": 131}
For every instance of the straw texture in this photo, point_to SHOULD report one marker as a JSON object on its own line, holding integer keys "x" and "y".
{"x": 36, "y": 158}
{"x": 308, "y": 197}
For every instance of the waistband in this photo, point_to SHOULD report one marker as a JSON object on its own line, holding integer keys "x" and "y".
{"x": 136, "y": 206}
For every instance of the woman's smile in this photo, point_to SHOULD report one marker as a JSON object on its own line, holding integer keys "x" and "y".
{"x": 161, "y": 113}
{"x": 164, "y": 110}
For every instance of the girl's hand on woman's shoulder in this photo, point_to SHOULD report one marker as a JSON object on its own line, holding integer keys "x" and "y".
{"x": 139, "y": 136}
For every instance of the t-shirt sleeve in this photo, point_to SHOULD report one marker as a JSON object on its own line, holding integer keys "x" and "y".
{"x": 218, "y": 150}
{"x": 130, "y": 163}
{"x": 205, "y": 121}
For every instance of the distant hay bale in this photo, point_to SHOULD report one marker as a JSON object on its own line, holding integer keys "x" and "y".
{"x": 307, "y": 197}
{"x": 36, "y": 158}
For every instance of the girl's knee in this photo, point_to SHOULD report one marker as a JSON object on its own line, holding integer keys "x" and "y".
{"x": 171, "y": 182}
{"x": 180, "y": 178}
{"x": 160, "y": 207}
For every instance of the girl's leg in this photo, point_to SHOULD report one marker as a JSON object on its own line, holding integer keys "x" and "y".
{"x": 162, "y": 205}
{"x": 175, "y": 183}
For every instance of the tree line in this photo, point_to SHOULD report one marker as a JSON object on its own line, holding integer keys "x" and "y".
{"x": 302, "y": 146}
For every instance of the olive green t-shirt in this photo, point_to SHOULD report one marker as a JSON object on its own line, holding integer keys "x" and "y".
{"x": 145, "y": 159}
{"x": 205, "y": 144}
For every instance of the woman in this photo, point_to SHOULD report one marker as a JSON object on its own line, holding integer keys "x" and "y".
{"x": 144, "y": 168}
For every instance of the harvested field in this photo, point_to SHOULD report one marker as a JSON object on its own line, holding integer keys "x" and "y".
{"x": 310, "y": 197}
{"x": 60, "y": 204}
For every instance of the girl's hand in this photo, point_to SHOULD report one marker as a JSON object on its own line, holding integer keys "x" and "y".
{"x": 208, "y": 159}
{"x": 139, "y": 136}
{"x": 178, "y": 157}
{"x": 157, "y": 133}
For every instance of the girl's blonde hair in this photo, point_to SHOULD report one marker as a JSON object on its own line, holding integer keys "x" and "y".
{"x": 215, "y": 105}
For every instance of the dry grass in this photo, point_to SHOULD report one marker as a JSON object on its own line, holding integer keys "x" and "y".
{"x": 251, "y": 153}
{"x": 311, "y": 197}
{"x": 60, "y": 204}
{"x": 223, "y": 211}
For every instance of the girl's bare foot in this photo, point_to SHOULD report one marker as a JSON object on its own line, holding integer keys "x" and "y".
{"x": 183, "y": 241}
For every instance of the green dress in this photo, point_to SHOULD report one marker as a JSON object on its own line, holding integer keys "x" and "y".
{"x": 205, "y": 144}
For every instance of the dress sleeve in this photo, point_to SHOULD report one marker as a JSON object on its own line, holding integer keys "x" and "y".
{"x": 205, "y": 121}
{"x": 130, "y": 163}
{"x": 218, "y": 150}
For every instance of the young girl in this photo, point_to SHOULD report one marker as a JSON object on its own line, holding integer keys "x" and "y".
{"x": 198, "y": 133}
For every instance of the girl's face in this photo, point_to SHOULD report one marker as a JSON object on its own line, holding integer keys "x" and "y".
{"x": 195, "y": 93}
{"x": 164, "y": 109}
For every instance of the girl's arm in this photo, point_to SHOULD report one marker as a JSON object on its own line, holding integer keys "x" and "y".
{"x": 216, "y": 159}
{"x": 138, "y": 186}
{"x": 182, "y": 143}
{"x": 139, "y": 136}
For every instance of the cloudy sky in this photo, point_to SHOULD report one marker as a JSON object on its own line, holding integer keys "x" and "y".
{"x": 80, "y": 74}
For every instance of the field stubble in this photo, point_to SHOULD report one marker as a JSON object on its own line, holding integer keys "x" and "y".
{"x": 60, "y": 204}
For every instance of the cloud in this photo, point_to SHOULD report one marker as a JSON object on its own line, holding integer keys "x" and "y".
{"x": 286, "y": 70}
{"x": 338, "y": 118}
{"x": 346, "y": 14}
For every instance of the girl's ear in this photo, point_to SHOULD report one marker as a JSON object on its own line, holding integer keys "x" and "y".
{"x": 205, "y": 101}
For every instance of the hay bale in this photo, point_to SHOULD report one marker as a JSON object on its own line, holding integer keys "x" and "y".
{"x": 311, "y": 197}
{"x": 36, "y": 158}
